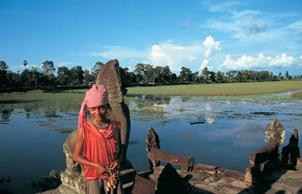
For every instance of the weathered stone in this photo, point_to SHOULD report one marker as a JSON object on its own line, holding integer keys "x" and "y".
{"x": 293, "y": 182}
{"x": 206, "y": 168}
{"x": 275, "y": 132}
{"x": 291, "y": 152}
{"x": 248, "y": 178}
{"x": 186, "y": 163}
{"x": 206, "y": 187}
{"x": 72, "y": 182}
{"x": 274, "y": 191}
{"x": 231, "y": 173}
{"x": 239, "y": 184}
{"x": 143, "y": 185}
{"x": 228, "y": 189}
{"x": 152, "y": 141}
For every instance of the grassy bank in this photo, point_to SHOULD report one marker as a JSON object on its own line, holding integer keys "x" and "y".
{"x": 67, "y": 100}
{"x": 228, "y": 89}
{"x": 297, "y": 95}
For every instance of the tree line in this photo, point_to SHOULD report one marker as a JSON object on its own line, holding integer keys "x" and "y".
{"x": 143, "y": 74}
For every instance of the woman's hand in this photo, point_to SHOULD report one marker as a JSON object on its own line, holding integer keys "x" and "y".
{"x": 115, "y": 165}
{"x": 101, "y": 169}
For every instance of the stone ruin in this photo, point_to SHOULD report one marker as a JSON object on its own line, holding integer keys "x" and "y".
{"x": 198, "y": 176}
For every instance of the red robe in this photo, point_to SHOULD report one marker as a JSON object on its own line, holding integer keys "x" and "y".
{"x": 100, "y": 146}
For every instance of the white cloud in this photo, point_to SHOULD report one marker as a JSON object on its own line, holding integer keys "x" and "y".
{"x": 196, "y": 56}
{"x": 175, "y": 55}
{"x": 165, "y": 53}
{"x": 260, "y": 60}
{"x": 210, "y": 45}
{"x": 205, "y": 63}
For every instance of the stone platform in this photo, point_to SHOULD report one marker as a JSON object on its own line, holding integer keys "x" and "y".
{"x": 280, "y": 181}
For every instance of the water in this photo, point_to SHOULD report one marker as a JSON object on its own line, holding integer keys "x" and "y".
{"x": 32, "y": 133}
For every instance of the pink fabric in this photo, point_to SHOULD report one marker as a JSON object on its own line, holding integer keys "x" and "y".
{"x": 96, "y": 96}
{"x": 100, "y": 147}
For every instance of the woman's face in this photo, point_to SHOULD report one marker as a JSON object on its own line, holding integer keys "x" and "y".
{"x": 98, "y": 113}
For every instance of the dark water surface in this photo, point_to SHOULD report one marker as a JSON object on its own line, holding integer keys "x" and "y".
{"x": 32, "y": 134}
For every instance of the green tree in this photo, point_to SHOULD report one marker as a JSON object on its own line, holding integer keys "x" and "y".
{"x": 238, "y": 76}
{"x": 32, "y": 78}
{"x": 48, "y": 67}
{"x": 146, "y": 71}
{"x": 173, "y": 78}
{"x": 64, "y": 76}
{"x": 36, "y": 77}
{"x": 205, "y": 75}
{"x": 96, "y": 68}
{"x": 287, "y": 76}
{"x": 219, "y": 77}
{"x": 185, "y": 74}
{"x": 12, "y": 79}
{"x": 25, "y": 63}
{"x": 3, "y": 65}
{"x": 195, "y": 77}
{"x": 166, "y": 74}
{"x": 124, "y": 72}
{"x": 212, "y": 77}
{"x": 162, "y": 74}
{"x": 88, "y": 77}
{"x": 263, "y": 75}
{"x": 77, "y": 75}
{"x": 3, "y": 72}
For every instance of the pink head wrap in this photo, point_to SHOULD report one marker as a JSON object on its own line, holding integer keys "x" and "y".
{"x": 94, "y": 97}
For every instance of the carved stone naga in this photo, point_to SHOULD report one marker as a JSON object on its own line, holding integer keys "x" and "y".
{"x": 109, "y": 76}
{"x": 275, "y": 131}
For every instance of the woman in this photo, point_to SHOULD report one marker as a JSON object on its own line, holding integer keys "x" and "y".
{"x": 98, "y": 143}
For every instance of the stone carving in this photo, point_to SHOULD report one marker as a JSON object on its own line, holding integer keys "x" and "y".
{"x": 275, "y": 132}
{"x": 155, "y": 155}
{"x": 291, "y": 152}
{"x": 262, "y": 162}
{"x": 109, "y": 75}
{"x": 152, "y": 141}
{"x": 72, "y": 179}
{"x": 266, "y": 159}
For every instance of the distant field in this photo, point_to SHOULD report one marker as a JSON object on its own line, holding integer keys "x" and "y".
{"x": 228, "y": 89}
{"x": 71, "y": 99}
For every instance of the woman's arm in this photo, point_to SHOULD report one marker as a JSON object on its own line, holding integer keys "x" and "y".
{"x": 77, "y": 153}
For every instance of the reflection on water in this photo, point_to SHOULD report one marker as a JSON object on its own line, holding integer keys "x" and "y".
{"x": 5, "y": 114}
{"x": 226, "y": 130}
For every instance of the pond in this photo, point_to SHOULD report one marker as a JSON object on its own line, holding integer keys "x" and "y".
{"x": 227, "y": 130}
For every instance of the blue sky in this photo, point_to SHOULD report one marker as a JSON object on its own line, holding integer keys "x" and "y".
{"x": 220, "y": 35}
